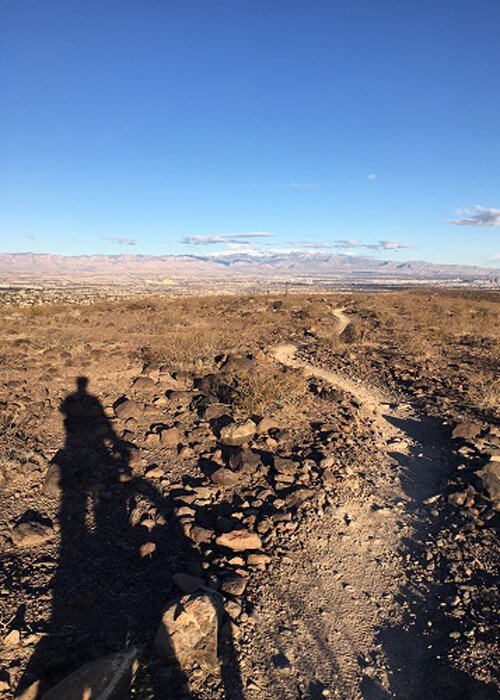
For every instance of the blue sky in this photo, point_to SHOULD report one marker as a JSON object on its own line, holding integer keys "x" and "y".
{"x": 145, "y": 126}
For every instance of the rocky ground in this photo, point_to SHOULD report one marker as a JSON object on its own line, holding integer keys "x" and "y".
{"x": 266, "y": 508}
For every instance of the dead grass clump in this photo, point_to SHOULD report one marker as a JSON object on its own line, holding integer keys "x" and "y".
{"x": 484, "y": 392}
{"x": 14, "y": 438}
{"x": 188, "y": 350}
{"x": 269, "y": 390}
{"x": 62, "y": 341}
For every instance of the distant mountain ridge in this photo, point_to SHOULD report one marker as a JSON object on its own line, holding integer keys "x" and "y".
{"x": 132, "y": 266}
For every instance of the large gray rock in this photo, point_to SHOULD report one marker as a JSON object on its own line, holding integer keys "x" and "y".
{"x": 30, "y": 534}
{"x": 188, "y": 631}
{"x": 143, "y": 383}
{"x": 490, "y": 479}
{"x": 466, "y": 430}
{"x": 106, "y": 678}
{"x": 350, "y": 334}
{"x": 224, "y": 477}
{"x": 170, "y": 437}
{"x": 128, "y": 409}
{"x": 238, "y": 433}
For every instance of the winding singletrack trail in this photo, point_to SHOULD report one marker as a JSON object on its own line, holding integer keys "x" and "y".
{"x": 342, "y": 319}
{"x": 353, "y": 561}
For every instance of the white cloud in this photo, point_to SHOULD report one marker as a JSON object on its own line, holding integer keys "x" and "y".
{"x": 495, "y": 256}
{"x": 391, "y": 245}
{"x": 224, "y": 238}
{"x": 371, "y": 176}
{"x": 478, "y": 216}
{"x": 352, "y": 243}
{"x": 120, "y": 241}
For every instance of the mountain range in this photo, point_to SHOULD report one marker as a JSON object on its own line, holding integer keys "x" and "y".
{"x": 37, "y": 266}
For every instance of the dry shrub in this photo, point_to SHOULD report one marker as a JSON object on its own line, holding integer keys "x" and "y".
{"x": 68, "y": 341}
{"x": 265, "y": 389}
{"x": 331, "y": 343}
{"x": 484, "y": 391}
{"x": 189, "y": 350}
{"x": 15, "y": 433}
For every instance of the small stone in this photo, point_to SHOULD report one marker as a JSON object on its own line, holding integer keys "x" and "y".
{"x": 258, "y": 559}
{"x": 234, "y": 584}
{"x": 147, "y": 549}
{"x": 152, "y": 439}
{"x": 236, "y": 434}
{"x": 286, "y": 466}
{"x": 327, "y": 462}
{"x": 265, "y": 425}
{"x": 236, "y": 561}
{"x": 466, "y": 430}
{"x": 245, "y": 461}
{"x": 224, "y": 477}
{"x": 299, "y": 497}
{"x": 186, "y": 452}
{"x": 232, "y": 608}
{"x": 490, "y": 480}
{"x": 155, "y": 472}
{"x": 170, "y": 437}
{"x": 457, "y": 499}
{"x": 127, "y": 409}
{"x": 142, "y": 383}
{"x": 215, "y": 410}
{"x": 201, "y": 535}
{"x": 12, "y": 639}
{"x": 148, "y": 523}
{"x": 239, "y": 540}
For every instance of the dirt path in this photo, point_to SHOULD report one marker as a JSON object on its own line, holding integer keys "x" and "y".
{"x": 342, "y": 319}
{"x": 342, "y": 585}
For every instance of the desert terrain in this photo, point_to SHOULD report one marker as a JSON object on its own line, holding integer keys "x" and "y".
{"x": 250, "y": 495}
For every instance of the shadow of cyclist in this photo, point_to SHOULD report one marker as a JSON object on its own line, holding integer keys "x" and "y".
{"x": 105, "y": 597}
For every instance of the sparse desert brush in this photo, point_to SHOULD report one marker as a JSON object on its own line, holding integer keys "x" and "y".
{"x": 53, "y": 309}
{"x": 421, "y": 345}
{"x": 69, "y": 340}
{"x": 15, "y": 430}
{"x": 266, "y": 390}
{"x": 484, "y": 391}
{"x": 331, "y": 343}
{"x": 189, "y": 350}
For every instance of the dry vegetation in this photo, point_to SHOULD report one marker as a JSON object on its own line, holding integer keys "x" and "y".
{"x": 448, "y": 343}
{"x": 174, "y": 362}
{"x": 447, "y": 339}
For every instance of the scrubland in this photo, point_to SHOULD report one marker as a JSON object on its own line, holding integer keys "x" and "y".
{"x": 345, "y": 436}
